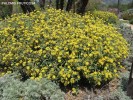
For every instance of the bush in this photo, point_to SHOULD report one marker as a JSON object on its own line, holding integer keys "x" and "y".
{"x": 131, "y": 21}
{"x": 106, "y": 16}
{"x": 96, "y": 5}
{"x": 11, "y": 88}
{"x": 124, "y": 7}
{"x": 127, "y": 15}
{"x": 6, "y": 10}
{"x": 61, "y": 46}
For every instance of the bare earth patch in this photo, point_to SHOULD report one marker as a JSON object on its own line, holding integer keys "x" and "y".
{"x": 92, "y": 94}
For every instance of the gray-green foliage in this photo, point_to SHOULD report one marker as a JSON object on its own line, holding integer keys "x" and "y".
{"x": 127, "y": 32}
{"x": 12, "y": 88}
{"x": 119, "y": 94}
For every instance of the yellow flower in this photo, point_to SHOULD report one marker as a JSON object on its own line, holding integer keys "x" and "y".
{"x": 28, "y": 67}
{"x": 62, "y": 48}
{"x": 37, "y": 70}
{"x": 53, "y": 77}
{"x": 99, "y": 83}
{"x": 32, "y": 78}
{"x": 86, "y": 63}
{"x": 74, "y": 90}
{"x": 72, "y": 80}
{"x": 115, "y": 70}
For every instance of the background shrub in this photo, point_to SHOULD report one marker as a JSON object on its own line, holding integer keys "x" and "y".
{"x": 106, "y": 16}
{"x": 96, "y": 5}
{"x": 131, "y": 21}
{"x": 128, "y": 15}
{"x": 60, "y": 46}
{"x": 124, "y": 7}
{"x": 6, "y": 10}
{"x": 11, "y": 88}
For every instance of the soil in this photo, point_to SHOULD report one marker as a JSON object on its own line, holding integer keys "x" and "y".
{"x": 91, "y": 94}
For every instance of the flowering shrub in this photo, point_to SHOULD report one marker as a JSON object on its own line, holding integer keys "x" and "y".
{"x": 61, "y": 46}
{"x": 108, "y": 17}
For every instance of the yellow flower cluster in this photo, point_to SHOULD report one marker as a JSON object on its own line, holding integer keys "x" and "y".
{"x": 61, "y": 46}
{"x": 108, "y": 17}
